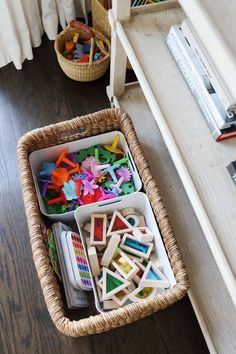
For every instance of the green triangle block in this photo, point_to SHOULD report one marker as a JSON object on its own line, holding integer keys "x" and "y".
{"x": 112, "y": 283}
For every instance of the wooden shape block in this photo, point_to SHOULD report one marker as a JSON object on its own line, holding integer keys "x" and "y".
{"x": 110, "y": 305}
{"x": 143, "y": 234}
{"x": 132, "y": 220}
{"x": 153, "y": 277}
{"x": 110, "y": 250}
{"x": 99, "y": 283}
{"x": 133, "y": 257}
{"x": 141, "y": 293}
{"x": 142, "y": 221}
{"x": 138, "y": 276}
{"x": 100, "y": 247}
{"x": 121, "y": 297}
{"x": 98, "y": 279}
{"x": 112, "y": 284}
{"x": 127, "y": 211}
{"x": 93, "y": 261}
{"x": 99, "y": 292}
{"x": 87, "y": 227}
{"x": 153, "y": 248}
{"x": 87, "y": 239}
{"x": 124, "y": 265}
{"x": 98, "y": 229}
{"x": 118, "y": 224}
{"x": 131, "y": 245}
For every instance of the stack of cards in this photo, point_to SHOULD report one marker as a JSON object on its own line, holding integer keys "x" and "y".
{"x": 74, "y": 266}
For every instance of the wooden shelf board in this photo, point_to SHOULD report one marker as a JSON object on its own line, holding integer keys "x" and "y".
{"x": 200, "y": 161}
{"x": 213, "y": 22}
{"x": 207, "y": 285}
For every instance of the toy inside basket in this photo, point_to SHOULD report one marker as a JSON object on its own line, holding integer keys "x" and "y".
{"x": 137, "y": 203}
{"x": 39, "y": 157}
{"x": 71, "y": 130}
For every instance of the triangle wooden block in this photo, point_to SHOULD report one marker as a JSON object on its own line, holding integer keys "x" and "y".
{"x": 112, "y": 284}
{"x": 153, "y": 277}
{"x": 118, "y": 224}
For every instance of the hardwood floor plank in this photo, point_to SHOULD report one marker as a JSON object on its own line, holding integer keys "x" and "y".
{"x": 38, "y": 95}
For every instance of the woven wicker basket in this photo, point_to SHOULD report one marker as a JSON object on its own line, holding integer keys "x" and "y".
{"x": 100, "y": 17}
{"x": 81, "y": 71}
{"x": 78, "y": 128}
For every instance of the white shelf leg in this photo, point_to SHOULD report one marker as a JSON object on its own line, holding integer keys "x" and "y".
{"x": 120, "y": 12}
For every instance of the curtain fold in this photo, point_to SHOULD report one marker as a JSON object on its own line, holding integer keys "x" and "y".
{"x": 22, "y": 23}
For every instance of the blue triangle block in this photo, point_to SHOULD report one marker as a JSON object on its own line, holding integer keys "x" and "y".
{"x": 152, "y": 275}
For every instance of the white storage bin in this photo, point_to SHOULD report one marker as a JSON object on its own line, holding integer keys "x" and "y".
{"x": 51, "y": 154}
{"x": 138, "y": 201}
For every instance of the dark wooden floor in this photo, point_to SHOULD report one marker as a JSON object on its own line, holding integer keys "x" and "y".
{"x": 36, "y": 96}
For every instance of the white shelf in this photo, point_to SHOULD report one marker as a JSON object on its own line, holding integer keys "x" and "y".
{"x": 207, "y": 286}
{"x": 200, "y": 162}
{"x": 214, "y": 23}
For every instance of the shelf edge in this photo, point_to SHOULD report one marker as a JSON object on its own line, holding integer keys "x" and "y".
{"x": 186, "y": 179}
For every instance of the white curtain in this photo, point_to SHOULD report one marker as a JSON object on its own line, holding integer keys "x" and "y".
{"x": 22, "y": 23}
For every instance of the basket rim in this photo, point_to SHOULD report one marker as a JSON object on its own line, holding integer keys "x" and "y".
{"x": 97, "y": 62}
{"x": 123, "y": 315}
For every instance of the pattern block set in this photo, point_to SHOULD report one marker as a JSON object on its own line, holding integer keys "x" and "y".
{"x": 120, "y": 251}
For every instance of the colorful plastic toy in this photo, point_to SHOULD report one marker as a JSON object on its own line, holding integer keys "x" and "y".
{"x": 103, "y": 175}
{"x": 90, "y": 198}
{"x": 127, "y": 188}
{"x": 84, "y": 59}
{"x": 115, "y": 188}
{"x": 125, "y": 173}
{"x": 76, "y": 37}
{"x": 96, "y": 168}
{"x": 113, "y": 147}
{"x": 63, "y": 158}
{"x": 89, "y": 187}
{"x": 78, "y": 52}
{"x": 43, "y": 185}
{"x": 78, "y": 183}
{"x": 46, "y": 169}
{"x": 60, "y": 199}
{"x": 124, "y": 160}
{"x": 110, "y": 170}
{"x": 69, "y": 189}
{"x": 60, "y": 176}
{"x": 69, "y": 46}
{"x": 105, "y": 196}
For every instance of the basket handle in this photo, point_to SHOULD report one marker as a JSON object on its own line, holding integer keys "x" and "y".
{"x": 83, "y": 27}
{"x": 75, "y": 128}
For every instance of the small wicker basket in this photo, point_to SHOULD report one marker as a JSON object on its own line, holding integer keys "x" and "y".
{"x": 79, "y": 128}
{"x": 100, "y": 17}
{"x": 100, "y": 20}
{"x": 81, "y": 71}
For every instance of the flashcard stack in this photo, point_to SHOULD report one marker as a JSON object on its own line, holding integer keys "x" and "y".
{"x": 119, "y": 250}
{"x": 74, "y": 266}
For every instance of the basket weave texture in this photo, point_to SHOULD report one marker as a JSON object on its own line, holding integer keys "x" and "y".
{"x": 100, "y": 17}
{"x": 81, "y": 71}
{"x": 78, "y": 128}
